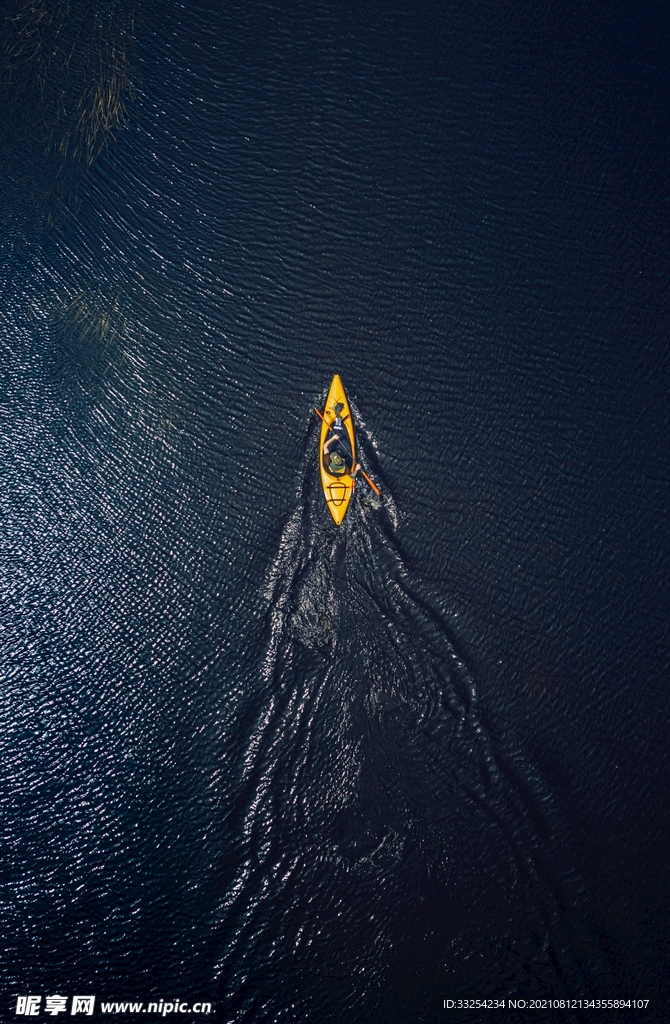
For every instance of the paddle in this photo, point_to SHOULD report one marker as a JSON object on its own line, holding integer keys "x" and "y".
{"x": 350, "y": 454}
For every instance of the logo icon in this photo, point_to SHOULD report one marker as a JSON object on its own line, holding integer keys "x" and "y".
{"x": 83, "y": 1004}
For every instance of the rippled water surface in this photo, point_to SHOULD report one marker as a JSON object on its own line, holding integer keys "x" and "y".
{"x": 309, "y": 773}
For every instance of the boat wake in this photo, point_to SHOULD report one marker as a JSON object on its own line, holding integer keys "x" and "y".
{"x": 380, "y": 802}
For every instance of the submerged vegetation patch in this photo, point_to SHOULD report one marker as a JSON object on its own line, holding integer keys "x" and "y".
{"x": 66, "y": 83}
{"x": 101, "y": 359}
{"x": 91, "y": 335}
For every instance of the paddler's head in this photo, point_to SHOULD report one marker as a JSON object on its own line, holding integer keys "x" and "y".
{"x": 336, "y": 460}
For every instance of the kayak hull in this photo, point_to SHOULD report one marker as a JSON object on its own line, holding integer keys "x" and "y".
{"x": 337, "y": 490}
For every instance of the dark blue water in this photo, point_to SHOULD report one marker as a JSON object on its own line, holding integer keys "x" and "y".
{"x": 309, "y": 774}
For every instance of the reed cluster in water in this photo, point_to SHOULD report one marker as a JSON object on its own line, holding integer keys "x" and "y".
{"x": 66, "y": 83}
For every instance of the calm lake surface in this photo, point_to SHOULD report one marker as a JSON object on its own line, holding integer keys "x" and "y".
{"x": 310, "y": 774}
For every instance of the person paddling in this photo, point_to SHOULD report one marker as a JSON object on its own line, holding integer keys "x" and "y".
{"x": 334, "y": 461}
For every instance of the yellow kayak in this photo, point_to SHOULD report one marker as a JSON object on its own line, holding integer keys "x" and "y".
{"x": 337, "y": 451}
